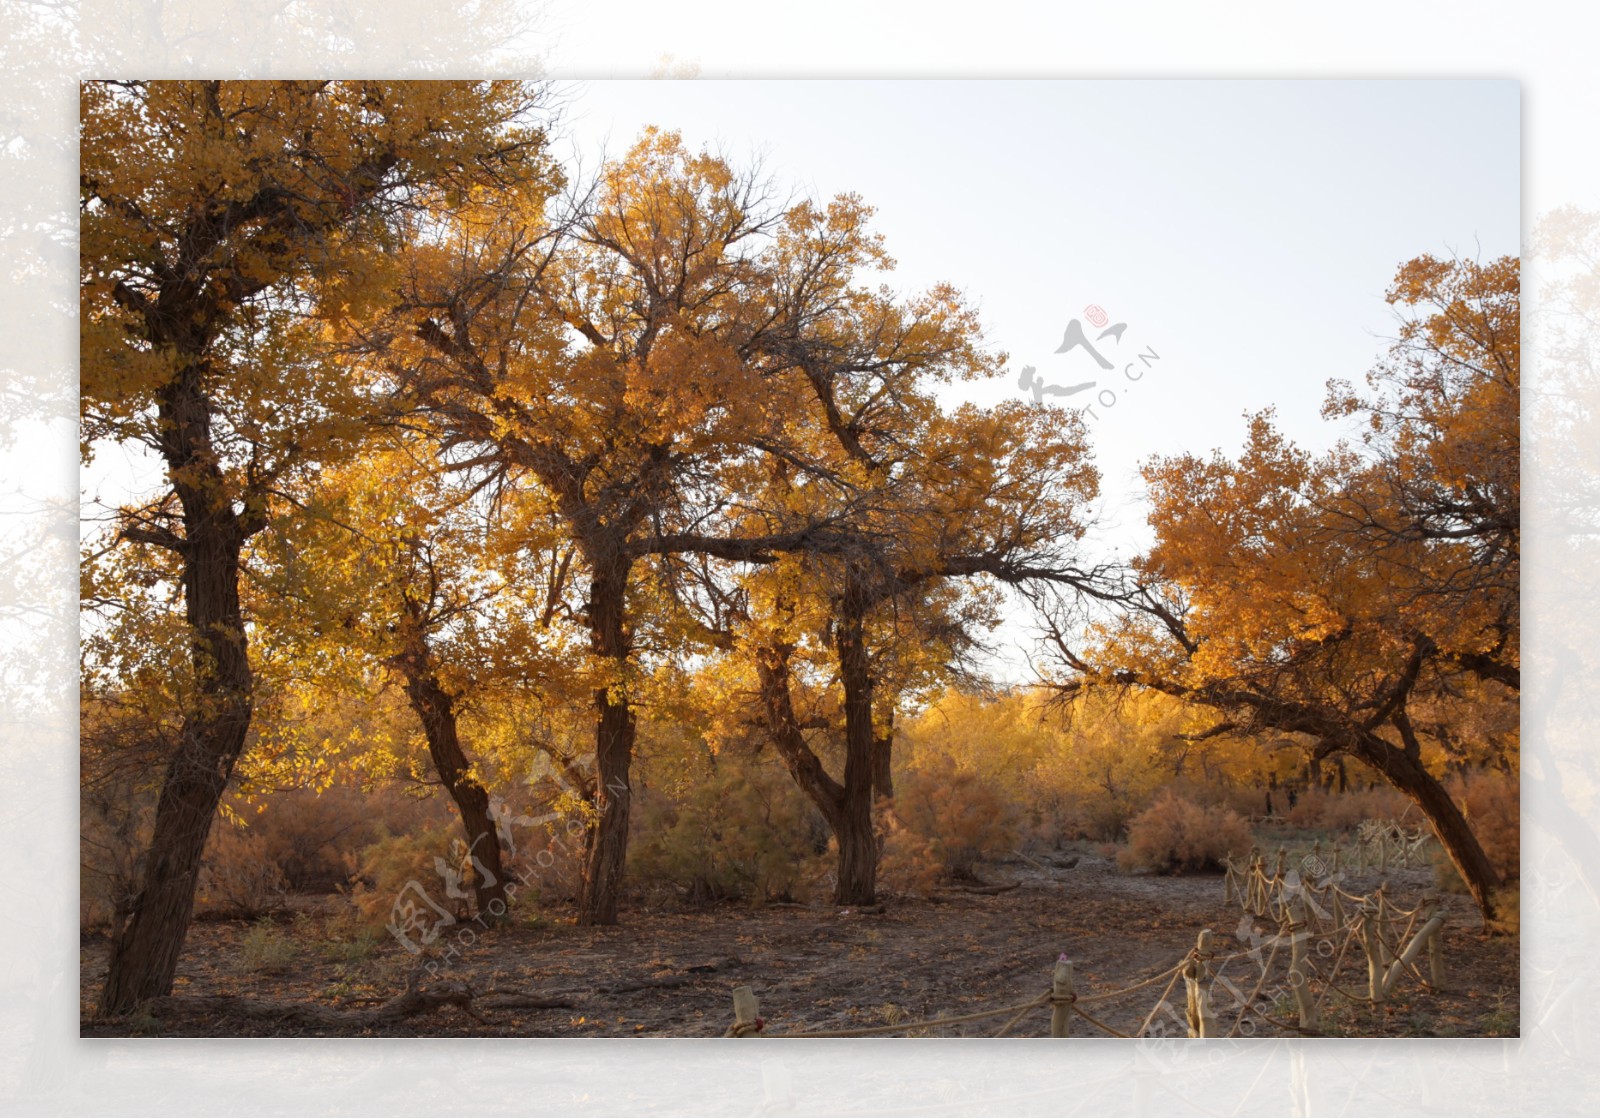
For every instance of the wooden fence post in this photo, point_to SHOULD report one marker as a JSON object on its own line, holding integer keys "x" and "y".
{"x": 1061, "y": 998}
{"x": 1299, "y": 934}
{"x": 745, "y": 1019}
{"x": 1430, "y": 899}
{"x": 1385, "y": 949}
{"x": 1369, "y": 942}
{"x": 1337, "y": 847}
{"x": 1196, "y": 980}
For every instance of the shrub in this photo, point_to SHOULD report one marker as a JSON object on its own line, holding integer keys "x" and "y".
{"x": 1176, "y": 836}
{"x": 239, "y": 878}
{"x": 266, "y": 949}
{"x": 114, "y": 829}
{"x": 960, "y": 817}
{"x": 1489, "y": 801}
{"x": 1324, "y": 810}
{"x": 910, "y": 863}
{"x": 741, "y": 831}
{"x": 385, "y": 869}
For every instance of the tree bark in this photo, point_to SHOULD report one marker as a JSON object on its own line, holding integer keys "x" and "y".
{"x": 883, "y": 763}
{"x": 858, "y": 846}
{"x": 607, "y": 849}
{"x": 435, "y": 707}
{"x": 148, "y": 939}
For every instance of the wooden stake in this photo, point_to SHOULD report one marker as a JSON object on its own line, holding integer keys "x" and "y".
{"x": 1061, "y": 996}
{"x": 1369, "y": 943}
{"x": 1430, "y": 899}
{"x": 1196, "y": 981}
{"x": 1381, "y": 927}
{"x": 745, "y": 1007}
{"x": 1299, "y": 982}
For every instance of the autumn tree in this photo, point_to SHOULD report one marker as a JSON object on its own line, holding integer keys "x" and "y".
{"x": 1334, "y": 596}
{"x": 612, "y": 363}
{"x": 399, "y": 567}
{"x": 217, "y": 219}
{"x": 838, "y": 632}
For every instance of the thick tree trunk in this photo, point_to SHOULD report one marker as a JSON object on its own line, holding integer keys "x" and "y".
{"x": 858, "y": 846}
{"x": 436, "y": 708}
{"x": 150, "y": 935}
{"x": 1404, "y": 769}
{"x": 607, "y": 853}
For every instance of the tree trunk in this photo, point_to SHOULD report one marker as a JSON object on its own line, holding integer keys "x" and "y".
{"x": 772, "y": 668}
{"x": 436, "y": 708}
{"x": 858, "y": 846}
{"x": 1404, "y": 770}
{"x": 146, "y": 944}
{"x": 883, "y": 763}
{"x": 607, "y": 850}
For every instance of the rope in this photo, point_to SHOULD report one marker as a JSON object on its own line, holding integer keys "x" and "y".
{"x": 1013, "y": 1020}
{"x": 1262, "y": 982}
{"x": 1160, "y": 1002}
{"x": 1333, "y": 971}
{"x": 1101, "y": 1025}
{"x": 1173, "y": 971}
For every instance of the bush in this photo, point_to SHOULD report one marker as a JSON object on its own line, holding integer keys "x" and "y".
{"x": 1324, "y": 810}
{"x": 741, "y": 831}
{"x": 1490, "y": 802}
{"x": 955, "y": 817}
{"x": 265, "y": 949}
{"x": 384, "y": 871}
{"x": 114, "y": 829}
{"x": 239, "y": 878}
{"x": 1177, "y": 836}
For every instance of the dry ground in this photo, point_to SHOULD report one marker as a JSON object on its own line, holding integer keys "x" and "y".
{"x": 671, "y": 971}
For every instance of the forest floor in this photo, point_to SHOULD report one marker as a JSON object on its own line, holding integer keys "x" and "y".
{"x": 671, "y": 971}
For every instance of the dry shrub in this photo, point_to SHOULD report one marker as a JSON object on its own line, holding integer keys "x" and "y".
{"x": 239, "y": 877}
{"x": 910, "y": 863}
{"x": 113, "y": 831}
{"x": 384, "y": 870}
{"x": 302, "y": 841}
{"x": 311, "y": 836}
{"x": 1177, "y": 836}
{"x": 1490, "y": 802}
{"x": 960, "y": 817}
{"x": 266, "y": 949}
{"x": 742, "y": 831}
{"x": 1086, "y": 816}
{"x": 1325, "y": 810}
{"x": 547, "y": 864}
